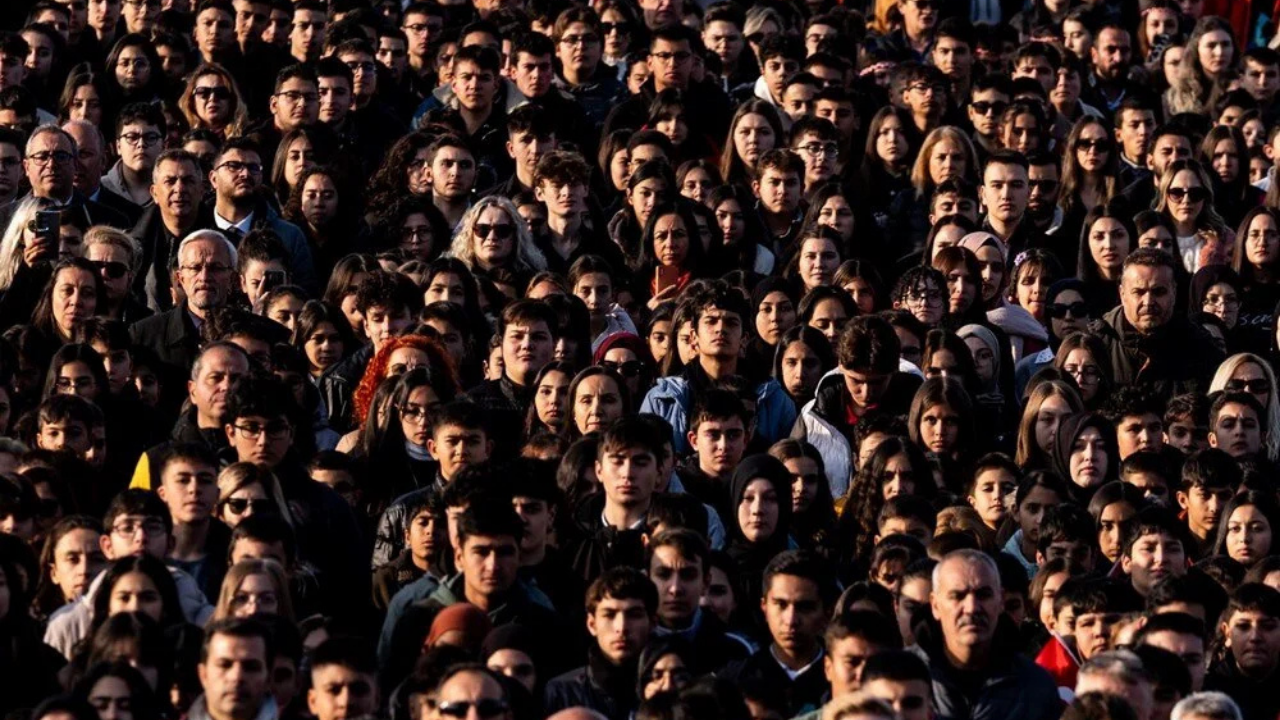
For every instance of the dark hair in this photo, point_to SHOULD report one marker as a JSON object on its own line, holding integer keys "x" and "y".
{"x": 805, "y": 565}
{"x": 489, "y": 519}
{"x": 623, "y": 583}
{"x": 245, "y": 628}
{"x": 171, "y": 607}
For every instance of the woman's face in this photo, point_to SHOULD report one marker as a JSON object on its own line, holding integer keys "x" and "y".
{"x": 1223, "y": 301}
{"x": 319, "y": 200}
{"x": 418, "y": 176}
{"x": 597, "y": 403}
{"x": 819, "y": 259}
{"x": 1255, "y": 133}
{"x": 75, "y": 298}
{"x": 758, "y": 511}
{"x": 946, "y": 237}
{"x": 1051, "y": 585}
{"x": 1088, "y": 462}
{"x": 1093, "y": 148}
{"x": 617, "y": 33}
{"x": 897, "y": 478}
{"x": 732, "y": 224}
{"x": 493, "y": 237}
{"x": 805, "y": 479}
{"x": 551, "y": 399}
{"x": 1048, "y": 417}
{"x": 1248, "y": 535}
{"x": 644, "y": 196}
{"x": 1112, "y": 523}
{"x": 962, "y": 289}
{"x": 864, "y": 296}
{"x": 110, "y": 696}
{"x": 1216, "y": 51}
{"x": 515, "y": 664}
{"x": 86, "y": 105}
{"x": 669, "y": 674}
{"x": 77, "y": 559}
{"x": 719, "y": 599}
{"x": 1081, "y": 365}
{"x": 984, "y": 360}
{"x": 697, "y": 184}
{"x": 775, "y": 315}
{"x": 670, "y": 241}
{"x": 256, "y": 594}
{"x": 837, "y": 215}
{"x": 992, "y": 263}
{"x": 1109, "y": 246}
{"x": 1262, "y": 244}
{"x": 828, "y": 318}
{"x": 940, "y": 429}
{"x": 404, "y": 359}
{"x": 1022, "y": 133}
{"x": 947, "y": 161}
{"x": 211, "y": 98}
{"x": 925, "y": 303}
{"x": 620, "y": 169}
{"x": 323, "y": 347}
{"x": 1251, "y": 378}
{"x": 1032, "y": 289}
{"x": 1079, "y": 39}
{"x": 674, "y": 126}
{"x": 242, "y": 503}
{"x": 801, "y": 370}
{"x": 1157, "y": 237}
{"x": 637, "y": 76}
{"x": 684, "y": 342}
{"x": 415, "y": 415}
{"x": 1074, "y": 313}
{"x": 1186, "y": 197}
{"x": 891, "y": 141}
{"x": 415, "y": 237}
{"x": 76, "y": 378}
{"x": 133, "y": 69}
{"x": 300, "y": 158}
{"x": 942, "y": 363}
{"x": 134, "y": 592}
{"x": 446, "y": 287}
{"x": 753, "y": 137}
{"x": 660, "y": 340}
{"x": 1226, "y": 160}
{"x": 1172, "y": 62}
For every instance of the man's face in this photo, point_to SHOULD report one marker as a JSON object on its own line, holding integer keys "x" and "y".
{"x": 779, "y": 191}
{"x": 296, "y": 103}
{"x": 681, "y": 583}
{"x": 252, "y": 17}
{"x": 720, "y": 444}
{"x": 10, "y": 171}
{"x": 364, "y": 74}
{"x": 1140, "y": 432}
{"x": 985, "y": 110}
{"x": 1093, "y": 632}
{"x": 335, "y": 99}
{"x": 532, "y": 74}
{"x": 621, "y": 628}
{"x": 176, "y": 188}
{"x": 865, "y": 388}
{"x": 50, "y": 165}
{"x": 844, "y": 662}
{"x": 1135, "y": 131}
{"x": 1147, "y": 295}
{"x": 1037, "y": 68}
{"x": 221, "y": 370}
{"x": 795, "y": 613}
{"x": 777, "y": 71}
{"x": 1190, "y": 648}
{"x": 1204, "y": 506}
{"x": 538, "y": 517}
{"x": 797, "y": 100}
{"x": 474, "y": 86}
{"x": 306, "y": 38}
{"x": 1237, "y": 430}
{"x": 918, "y": 16}
{"x": 1262, "y": 81}
{"x": 205, "y": 273}
{"x": 139, "y": 144}
{"x": 1004, "y": 191}
{"x": 526, "y": 347}
{"x": 456, "y": 447}
{"x": 394, "y": 53}
{"x": 819, "y": 157}
{"x": 841, "y": 114}
{"x": 1152, "y": 557}
{"x": 214, "y": 32}
{"x": 967, "y": 601}
{"x": 237, "y": 176}
{"x": 489, "y": 563}
{"x": 235, "y": 676}
{"x": 725, "y": 40}
{"x": 453, "y": 173}
{"x": 263, "y": 441}
{"x": 1166, "y": 149}
{"x": 89, "y": 158}
{"x": 1111, "y": 54}
{"x": 135, "y": 535}
{"x": 911, "y": 699}
{"x": 526, "y": 148}
{"x": 1253, "y": 637}
{"x": 341, "y": 693}
{"x": 190, "y": 489}
{"x": 13, "y": 70}
{"x": 471, "y": 689}
{"x": 628, "y": 475}
{"x": 381, "y": 323}
{"x": 1044, "y": 187}
{"x": 658, "y": 13}
{"x": 953, "y": 57}
{"x": 670, "y": 63}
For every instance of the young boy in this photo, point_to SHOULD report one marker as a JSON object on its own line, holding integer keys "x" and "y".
{"x": 719, "y": 431}
{"x": 1137, "y": 416}
{"x": 1150, "y": 473}
{"x": 344, "y": 680}
{"x": 995, "y": 480}
{"x": 424, "y": 538}
{"x": 63, "y": 422}
{"x": 1155, "y": 548}
{"x": 591, "y": 278}
{"x": 1238, "y": 425}
{"x": 189, "y": 487}
{"x": 561, "y": 183}
{"x": 778, "y": 187}
{"x": 387, "y": 302}
{"x": 817, "y": 142}
{"x": 907, "y": 515}
{"x": 1066, "y": 532}
{"x": 954, "y": 196}
{"x": 1209, "y": 480}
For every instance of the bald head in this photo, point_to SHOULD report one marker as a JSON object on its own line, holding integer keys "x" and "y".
{"x": 577, "y": 713}
{"x": 90, "y": 159}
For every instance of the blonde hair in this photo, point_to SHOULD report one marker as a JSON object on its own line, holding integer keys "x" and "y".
{"x": 106, "y": 235}
{"x": 1208, "y": 219}
{"x": 239, "y": 115}
{"x": 235, "y": 578}
{"x": 243, "y": 474}
{"x": 1027, "y": 448}
{"x": 1223, "y": 376}
{"x": 920, "y": 178}
{"x": 11, "y": 242}
{"x": 857, "y": 705}
{"x": 528, "y": 258}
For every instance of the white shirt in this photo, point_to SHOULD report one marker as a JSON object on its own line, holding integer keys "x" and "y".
{"x": 243, "y": 226}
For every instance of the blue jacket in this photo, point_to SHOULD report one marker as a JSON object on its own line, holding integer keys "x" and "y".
{"x": 671, "y": 399}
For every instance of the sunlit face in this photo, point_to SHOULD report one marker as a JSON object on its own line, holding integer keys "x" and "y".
{"x": 940, "y": 429}
{"x": 1048, "y": 417}
{"x": 891, "y": 141}
{"x": 1216, "y": 49}
{"x": 1088, "y": 461}
{"x": 1226, "y": 160}
{"x": 837, "y": 215}
{"x": 1223, "y": 301}
{"x": 1186, "y": 197}
{"x": 597, "y": 403}
{"x": 818, "y": 259}
{"x": 1108, "y": 246}
{"x": 1249, "y": 535}
{"x": 752, "y": 137}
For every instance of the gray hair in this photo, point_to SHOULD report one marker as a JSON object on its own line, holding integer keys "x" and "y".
{"x": 213, "y": 235}
{"x": 1122, "y": 664}
{"x": 971, "y": 557}
{"x": 227, "y": 345}
{"x": 50, "y": 128}
{"x": 88, "y": 127}
{"x": 1207, "y": 704}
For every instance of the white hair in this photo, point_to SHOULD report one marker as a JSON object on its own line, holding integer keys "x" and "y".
{"x": 1207, "y": 704}
{"x": 49, "y": 128}
{"x": 213, "y": 235}
{"x": 971, "y": 557}
{"x": 1271, "y": 412}
{"x": 88, "y": 127}
{"x": 11, "y": 241}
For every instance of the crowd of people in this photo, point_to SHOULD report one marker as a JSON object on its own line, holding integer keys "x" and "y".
{"x": 656, "y": 360}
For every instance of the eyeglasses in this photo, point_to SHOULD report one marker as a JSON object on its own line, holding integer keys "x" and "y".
{"x": 129, "y": 528}
{"x": 410, "y": 234}
{"x": 253, "y": 431}
{"x": 924, "y": 88}
{"x": 1077, "y": 310}
{"x": 486, "y": 708}
{"x": 217, "y": 93}
{"x": 925, "y": 296}
{"x": 236, "y": 167}
{"x": 982, "y": 107}
{"x": 501, "y": 231}
{"x": 584, "y": 40}
{"x": 817, "y": 149}
{"x": 357, "y": 66}
{"x": 238, "y": 506}
{"x": 1257, "y": 386}
{"x": 211, "y": 268}
{"x": 619, "y": 27}
{"x": 1225, "y": 301}
{"x": 294, "y": 96}
{"x": 414, "y": 413}
{"x": 61, "y": 157}
{"x": 628, "y": 369}
{"x": 141, "y": 139}
{"x": 1193, "y": 194}
{"x": 1100, "y": 144}
{"x": 676, "y": 57}
{"x": 1087, "y": 372}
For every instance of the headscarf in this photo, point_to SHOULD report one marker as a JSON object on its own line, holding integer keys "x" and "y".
{"x": 471, "y": 621}
{"x": 658, "y": 648}
{"x": 988, "y": 338}
{"x": 768, "y": 285}
{"x": 629, "y": 341}
{"x": 1070, "y": 428}
{"x": 1208, "y": 276}
{"x": 755, "y": 555}
{"x": 980, "y": 239}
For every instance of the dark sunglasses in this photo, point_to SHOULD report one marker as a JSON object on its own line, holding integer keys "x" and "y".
{"x": 622, "y": 27}
{"x": 112, "y": 269}
{"x": 217, "y": 93}
{"x": 239, "y": 505}
{"x": 628, "y": 369}
{"x": 982, "y": 107}
{"x": 1101, "y": 144}
{"x": 1077, "y": 310}
{"x": 485, "y": 708}
{"x": 1195, "y": 194}
{"x": 1256, "y": 386}
{"x": 502, "y": 231}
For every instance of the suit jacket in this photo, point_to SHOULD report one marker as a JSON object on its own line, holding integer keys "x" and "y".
{"x": 112, "y": 200}
{"x": 96, "y": 213}
{"x": 173, "y": 336}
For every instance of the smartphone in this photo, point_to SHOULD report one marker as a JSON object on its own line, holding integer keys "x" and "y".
{"x": 272, "y": 279}
{"x": 47, "y": 223}
{"x": 665, "y": 276}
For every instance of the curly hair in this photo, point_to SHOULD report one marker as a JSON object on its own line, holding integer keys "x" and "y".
{"x": 390, "y": 180}
{"x": 437, "y": 357}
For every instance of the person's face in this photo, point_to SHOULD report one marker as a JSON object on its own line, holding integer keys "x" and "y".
{"x": 1253, "y": 638}
{"x": 50, "y": 165}
{"x": 260, "y": 440}
{"x": 296, "y": 103}
{"x": 1111, "y": 54}
{"x": 1037, "y": 68}
{"x": 1152, "y": 557}
{"x": 720, "y": 444}
{"x": 758, "y": 511}
{"x": 39, "y": 59}
{"x": 620, "y": 627}
{"x": 1146, "y": 294}
{"x": 774, "y": 316}
{"x": 818, "y": 260}
{"x": 456, "y": 447}
{"x": 176, "y": 189}
{"x": 990, "y": 489}
{"x": 828, "y": 318}
{"x": 256, "y": 594}
{"x": 1136, "y": 127}
{"x": 681, "y": 583}
{"x": 670, "y": 64}
{"x": 777, "y": 71}
{"x": 221, "y": 370}
{"x": 453, "y": 174}
{"x": 235, "y": 675}
{"x": 910, "y": 698}
{"x": 795, "y": 614}
{"x": 940, "y": 429}
{"x": 1226, "y": 160}
{"x": 135, "y": 592}
{"x": 1222, "y": 301}
{"x": 1031, "y": 512}
{"x": 597, "y": 403}
{"x": 514, "y": 664}
{"x": 446, "y": 287}
{"x": 962, "y": 289}
{"x": 320, "y": 206}
{"x": 1004, "y": 191}
{"x": 190, "y": 490}
{"x": 1093, "y": 632}
{"x": 865, "y": 388}
{"x": 1093, "y": 148}
{"x": 1088, "y": 461}
{"x": 1216, "y": 51}
{"x": 242, "y": 503}
{"x": 474, "y": 86}
{"x": 415, "y": 415}
{"x": 77, "y": 559}
{"x": 753, "y": 136}
{"x": 488, "y": 563}
{"x": 237, "y": 175}
{"x": 1248, "y": 535}
{"x": 335, "y": 98}
{"x": 801, "y": 369}
{"x": 1190, "y": 648}
{"x": 967, "y": 601}
{"x": 670, "y": 241}
{"x": 214, "y": 32}
{"x": 111, "y": 697}
{"x": 1251, "y": 378}
{"x": 551, "y": 399}
{"x": 1109, "y": 244}
{"x": 1168, "y": 148}
{"x": 75, "y": 298}
{"x": 382, "y": 323}
{"x": 1237, "y": 431}
{"x": 338, "y": 693}
{"x": 985, "y": 109}
{"x": 819, "y": 158}
{"x": 525, "y": 349}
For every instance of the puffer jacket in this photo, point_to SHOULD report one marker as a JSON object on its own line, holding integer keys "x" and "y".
{"x": 828, "y": 438}
{"x": 672, "y": 399}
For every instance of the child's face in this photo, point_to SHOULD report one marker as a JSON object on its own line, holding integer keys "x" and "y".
{"x": 422, "y": 536}
{"x": 456, "y": 447}
{"x": 285, "y": 310}
{"x": 65, "y": 435}
{"x": 1186, "y": 436}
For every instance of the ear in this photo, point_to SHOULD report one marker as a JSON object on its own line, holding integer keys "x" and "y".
{"x": 160, "y": 492}
{"x": 230, "y": 431}
{"x": 201, "y": 672}
{"x": 828, "y": 667}
{"x": 537, "y": 190}
{"x": 311, "y": 701}
{"x": 431, "y": 446}
{"x": 591, "y": 624}
{"x": 104, "y": 544}
{"x": 1213, "y": 439}
{"x": 1040, "y": 558}
{"x": 511, "y": 151}
{"x": 457, "y": 557}
{"x": 755, "y": 188}
{"x": 1181, "y": 497}
{"x": 692, "y": 437}
{"x": 1126, "y": 564}
{"x": 933, "y": 605}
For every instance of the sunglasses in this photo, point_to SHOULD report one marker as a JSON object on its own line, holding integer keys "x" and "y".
{"x": 240, "y": 505}
{"x": 622, "y": 27}
{"x": 982, "y": 107}
{"x": 1256, "y": 386}
{"x": 1101, "y": 144}
{"x": 112, "y": 269}
{"x": 502, "y": 231}
{"x": 486, "y": 708}
{"x": 628, "y": 369}
{"x": 217, "y": 93}
{"x": 1195, "y": 194}
{"x": 1077, "y": 310}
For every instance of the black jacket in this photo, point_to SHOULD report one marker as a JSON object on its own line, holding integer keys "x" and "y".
{"x": 173, "y": 337}
{"x": 599, "y": 547}
{"x": 802, "y": 695}
{"x": 96, "y": 213}
{"x": 159, "y": 253}
{"x": 506, "y": 405}
{"x": 118, "y": 203}
{"x": 1180, "y": 357}
{"x": 606, "y": 688}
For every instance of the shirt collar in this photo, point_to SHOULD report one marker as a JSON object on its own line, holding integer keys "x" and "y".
{"x": 243, "y": 226}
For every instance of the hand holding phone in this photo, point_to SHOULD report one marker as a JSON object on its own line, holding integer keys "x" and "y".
{"x": 665, "y": 276}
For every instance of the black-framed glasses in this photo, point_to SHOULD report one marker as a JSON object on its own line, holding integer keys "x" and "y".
{"x": 253, "y": 430}
{"x": 502, "y": 231}
{"x": 1256, "y": 386}
{"x": 486, "y": 708}
{"x": 110, "y": 269}
{"x": 628, "y": 369}
{"x": 61, "y": 157}
{"x": 1077, "y": 310}
{"x": 137, "y": 139}
{"x": 983, "y": 107}
{"x": 1192, "y": 194}
{"x": 235, "y": 167}
{"x": 620, "y": 27}
{"x": 238, "y": 506}
{"x": 217, "y": 93}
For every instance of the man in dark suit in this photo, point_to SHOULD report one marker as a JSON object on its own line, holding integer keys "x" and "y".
{"x": 90, "y": 166}
{"x": 176, "y": 187}
{"x": 50, "y": 166}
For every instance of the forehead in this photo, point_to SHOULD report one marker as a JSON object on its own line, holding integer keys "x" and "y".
{"x": 48, "y": 140}
{"x": 960, "y": 572}
{"x": 204, "y": 248}
{"x": 172, "y": 166}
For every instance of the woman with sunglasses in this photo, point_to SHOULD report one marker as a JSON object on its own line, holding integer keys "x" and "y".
{"x": 627, "y": 355}
{"x": 1066, "y": 312}
{"x": 245, "y": 489}
{"x": 1247, "y": 372}
{"x": 116, "y": 256}
{"x": 212, "y": 101}
{"x": 493, "y": 235}
{"x": 1185, "y": 195}
{"x": 1090, "y": 176}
